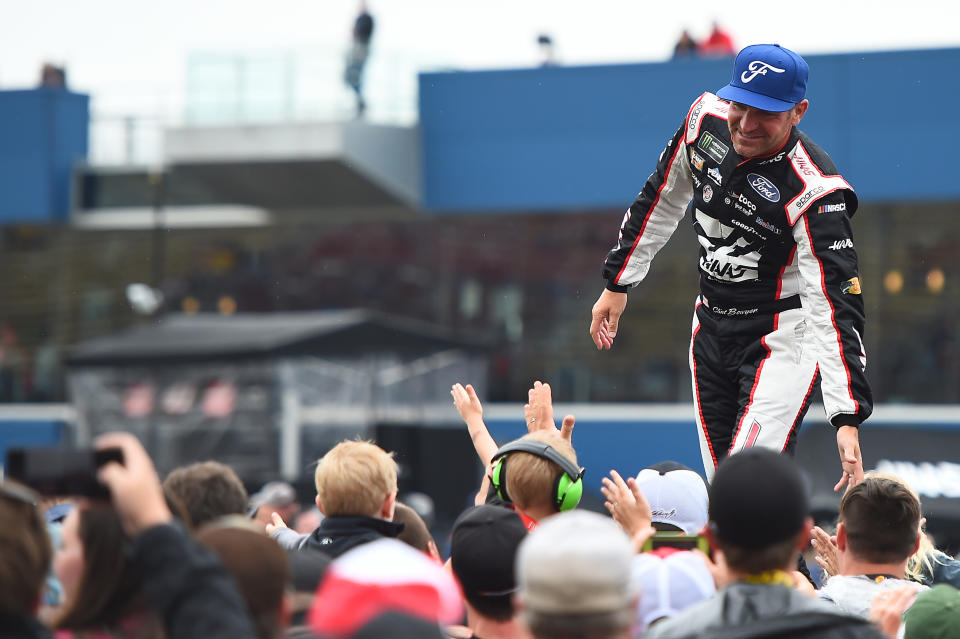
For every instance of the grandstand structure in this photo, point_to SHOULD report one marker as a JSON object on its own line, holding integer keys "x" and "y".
{"x": 488, "y": 216}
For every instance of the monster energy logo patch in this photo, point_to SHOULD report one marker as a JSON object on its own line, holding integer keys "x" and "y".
{"x": 713, "y": 147}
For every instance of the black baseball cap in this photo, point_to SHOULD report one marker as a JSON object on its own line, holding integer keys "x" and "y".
{"x": 758, "y": 498}
{"x": 483, "y": 548}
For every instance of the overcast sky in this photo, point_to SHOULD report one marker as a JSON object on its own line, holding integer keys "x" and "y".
{"x": 136, "y": 52}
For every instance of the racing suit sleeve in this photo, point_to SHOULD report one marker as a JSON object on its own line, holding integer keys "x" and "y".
{"x": 652, "y": 218}
{"x": 831, "y": 295}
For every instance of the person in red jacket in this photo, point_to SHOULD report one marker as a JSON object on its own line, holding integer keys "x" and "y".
{"x": 718, "y": 44}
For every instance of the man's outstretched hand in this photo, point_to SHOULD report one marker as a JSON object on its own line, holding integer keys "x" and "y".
{"x": 848, "y": 444}
{"x": 606, "y": 318}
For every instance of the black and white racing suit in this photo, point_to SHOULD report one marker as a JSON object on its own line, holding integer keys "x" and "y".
{"x": 779, "y": 286}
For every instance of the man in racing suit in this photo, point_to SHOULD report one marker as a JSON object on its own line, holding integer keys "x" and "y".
{"x": 779, "y": 295}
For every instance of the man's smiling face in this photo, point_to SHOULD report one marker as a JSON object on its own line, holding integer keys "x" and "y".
{"x": 757, "y": 133}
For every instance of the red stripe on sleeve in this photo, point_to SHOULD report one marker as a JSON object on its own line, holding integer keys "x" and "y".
{"x": 666, "y": 176}
{"x": 833, "y": 312}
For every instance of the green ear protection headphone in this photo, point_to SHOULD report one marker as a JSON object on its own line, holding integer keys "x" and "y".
{"x": 567, "y": 489}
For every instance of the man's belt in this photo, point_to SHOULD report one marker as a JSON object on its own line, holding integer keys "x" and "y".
{"x": 749, "y": 310}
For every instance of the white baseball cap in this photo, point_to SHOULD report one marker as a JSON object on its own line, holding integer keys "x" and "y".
{"x": 677, "y": 496}
{"x": 670, "y": 584}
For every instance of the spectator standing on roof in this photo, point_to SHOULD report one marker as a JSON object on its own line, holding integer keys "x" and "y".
{"x": 357, "y": 55}
{"x": 718, "y": 44}
{"x": 686, "y": 46}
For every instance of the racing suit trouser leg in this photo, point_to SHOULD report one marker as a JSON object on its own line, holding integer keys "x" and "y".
{"x": 715, "y": 393}
{"x": 752, "y": 382}
{"x": 776, "y": 387}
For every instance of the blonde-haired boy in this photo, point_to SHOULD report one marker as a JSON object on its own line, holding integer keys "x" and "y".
{"x": 356, "y": 485}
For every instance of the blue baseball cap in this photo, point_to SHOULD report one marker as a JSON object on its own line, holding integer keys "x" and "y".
{"x": 768, "y": 77}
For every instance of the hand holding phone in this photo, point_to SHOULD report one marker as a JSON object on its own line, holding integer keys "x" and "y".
{"x": 677, "y": 540}
{"x": 134, "y": 484}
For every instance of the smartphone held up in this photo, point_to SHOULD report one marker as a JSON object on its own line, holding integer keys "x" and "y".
{"x": 678, "y": 541}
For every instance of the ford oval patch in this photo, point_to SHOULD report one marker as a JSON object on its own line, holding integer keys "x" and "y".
{"x": 764, "y": 187}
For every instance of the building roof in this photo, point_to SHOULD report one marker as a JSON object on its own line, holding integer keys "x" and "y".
{"x": 179, "y": 338}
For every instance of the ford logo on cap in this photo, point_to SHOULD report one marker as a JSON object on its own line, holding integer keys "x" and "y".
{"x": 764, "y": 187}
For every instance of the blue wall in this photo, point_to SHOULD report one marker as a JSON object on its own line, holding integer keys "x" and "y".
{"x": 43, "y": 134}
{"x": 571, "y": 138}
{"x": 633, "y": 436}
{"x": 624, "y": 446}
{"x": 28, "y": 433}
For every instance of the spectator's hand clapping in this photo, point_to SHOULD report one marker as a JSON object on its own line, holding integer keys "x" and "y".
{"x": 628, "y": 507}
{"x": 134, "y": 484}
{"x": 827, "y": 553}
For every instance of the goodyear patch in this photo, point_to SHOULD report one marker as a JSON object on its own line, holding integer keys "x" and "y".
{"x": 851, "y": 286}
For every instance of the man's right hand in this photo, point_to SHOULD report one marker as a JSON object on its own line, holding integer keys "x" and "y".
{"x": 606, "y": 318}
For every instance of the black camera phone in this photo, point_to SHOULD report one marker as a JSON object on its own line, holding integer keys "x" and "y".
{"x": 678, "y": 541}
{"x": 61, "y": 471}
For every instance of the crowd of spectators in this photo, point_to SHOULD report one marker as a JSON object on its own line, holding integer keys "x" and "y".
{"x": 196, "y": 556}
{"x": 717, "y": 44}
